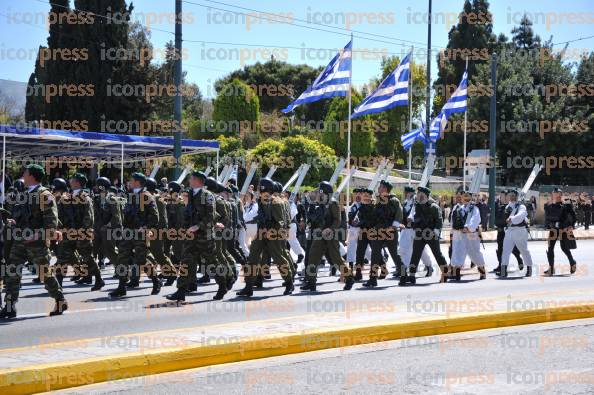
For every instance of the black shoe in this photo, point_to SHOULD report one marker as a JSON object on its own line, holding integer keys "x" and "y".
{"x": 348, "y": 283}
{"x": 483, "y": 274}
{"x": 60, "y": 308}
{"x": 358, "y": 275}
{"x": 99, "y": 283}
{"x": 36, "y": 280}
{"x": 299, "y": 259}
{"x": 529, "y": 271}
{"x": 204, "y": 279}
{"x": 550, "y": 272}
{"x": 220, "y": 292}
{"x": 85, "y": 280}
{"x": 496, "y": 270}
{"x": 402, "y": 281}
{"x": 229, "y": 282}
{"x": 156, "y": 286}
{"x": 308, "y": 287}
{"x": 572, "y": 268}
{"x": 503, "y": 272}
{"x": 371, "y": 283}
{"x": 259, "y": 283}
{"x": 133, "y": 284}
{"x": 429, "y": 271}
{"x": 457, "y": 274}
{"x": 412, "y": 279}
{"x": 245, "y": 292}
{"x": 177, "y": 296}
{"x": 74, "y": 278}
{"x": 170, "y": 281}
{"x": 521, "y": 265}
{"x": 118, "y": 292}
{"x": 289, "y": 288}
{"x": 193, "y": 287}
{"x": 8, "y": 312}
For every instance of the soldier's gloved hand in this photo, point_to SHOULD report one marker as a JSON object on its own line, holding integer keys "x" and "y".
{"x": 193, "y": 229}
{"x": 219, "y": 226}
{"x": 327, "y": 234}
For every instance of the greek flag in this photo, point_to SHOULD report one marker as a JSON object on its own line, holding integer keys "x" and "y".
{"x": 456, "y": 104}
{"x": 334, "y": 81}
{"x": 413, "y": 136}
{"x": 392, "y": 92}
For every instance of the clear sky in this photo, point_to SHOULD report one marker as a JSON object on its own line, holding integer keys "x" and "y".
{"x": 206, "y": 62}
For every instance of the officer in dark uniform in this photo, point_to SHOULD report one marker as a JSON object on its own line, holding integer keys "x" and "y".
{"x": 366, "y": 221}
{"x": 175, "y": 220}
{"x": 427, "y": 223}
{"x": 140, "y": 219}
{"x": 32, "y": 232}
{"x": 325, "y": 222}
{"x": 559, "y": 221}
{"x": 388, "y": 214}
{"x": 501, "y": 215}
{"x": 108, "y": 218}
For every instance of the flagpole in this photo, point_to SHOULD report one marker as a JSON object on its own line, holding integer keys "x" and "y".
{"x": 410, "y": 114}
{"x": 348, "y": 186}
{"x": 464, "y": 154}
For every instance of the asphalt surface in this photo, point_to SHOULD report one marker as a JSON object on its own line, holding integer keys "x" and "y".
{"x": 555, "y": 358}
{"x": 95, "y": 315}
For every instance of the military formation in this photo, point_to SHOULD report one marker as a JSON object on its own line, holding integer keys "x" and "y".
{"x": 189, "y": 236}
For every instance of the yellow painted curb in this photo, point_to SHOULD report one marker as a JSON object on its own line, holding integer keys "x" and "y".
{"x": 54, "y": 376}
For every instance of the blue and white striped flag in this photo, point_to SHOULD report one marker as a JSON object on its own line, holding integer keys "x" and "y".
{"x": 392, "y": 92}
{"x": 408, "y": 139}
{"x": 456, "y": 104}
{"x": 334, "y": 81}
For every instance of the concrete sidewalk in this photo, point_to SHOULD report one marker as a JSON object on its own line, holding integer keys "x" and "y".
{"x": 81, "y": 362}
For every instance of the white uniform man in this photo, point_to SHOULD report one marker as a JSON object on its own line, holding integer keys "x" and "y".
{"x": 407, "y": 235}
{"x": 293, "y": 242}
{"x": 516, "y": 234}
{"x": 353, "y": 235}
{"x": 250, "y": 211}
{"x": 466, "y": 219}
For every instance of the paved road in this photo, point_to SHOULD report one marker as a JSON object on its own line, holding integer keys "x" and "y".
{"x": 94, "y": 315}
{"x": 535, "y": 359}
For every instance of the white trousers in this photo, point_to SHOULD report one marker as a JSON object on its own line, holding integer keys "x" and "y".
{"x": 466, "y": 244}
{"x": 241, "y": 238}
{"x": 516, "y": 236}
{"x": 293, "y": 242}
{"x": 405, "y": 248}
{"x": 352, "y": 239}
{"x": 250, "y": 233}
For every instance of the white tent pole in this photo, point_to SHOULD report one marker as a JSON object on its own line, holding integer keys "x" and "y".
{"x": 122, "y": 169}
{"x": 464, "y": 154}
{"x": 348, "y": 158}
{"x": 3, "y": 168}
{"x": 410, "y": 111}
{"x": 217, "y": 164}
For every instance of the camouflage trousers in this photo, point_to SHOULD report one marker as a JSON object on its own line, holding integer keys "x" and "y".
{"x": 37, "y": 254}
{"x": 79, "y": 254}
{"x": 199, "y": 249}
{"x": 261, "y": 250}
{"x": 134, "y": 258}
{"x": 105, "y": 244}
{"x": 158, "y": 257}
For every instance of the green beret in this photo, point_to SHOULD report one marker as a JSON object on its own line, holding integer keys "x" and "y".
{"x": 198, "y": 174}
{"x": 513, "y": 190}
{"x": 139, "y": 177}
{"x": 408, "y": 189}
{"x": 424, "y": 190}
{"x": 37, "y": 171}
{"x": 80, "y": 178}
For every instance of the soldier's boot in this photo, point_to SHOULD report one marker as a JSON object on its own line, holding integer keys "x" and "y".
{"x": 403, "y": 280}
{"x": 551, "y": 270}
{"x": 60, "y": 307}
{"x": 348, "y": 282}
{"x": 458, "y": 273}
{"x": 289, "y": 287}
{"x": 444, "y": 274}
{"x": 192, "y": 287}
{"x": 170, "y": 280}
{"x": 528, "y": 271}
{"x": 36, "y": 280}
{"x": 299, "y": 258}
{"x": 503, "y": 272}
{"x": 120, "y": 290}
{"x": 99, "y": 283}
{"x": 230, "y": 280}
{"x": 88, "y": 280}
{"x": 248, "y": 289}
{"x": 8, "y": 311}
{"x": 222, "y": 290}
{"x": 429, "y": 271}
{"x": 521, "y": 265}
{"x": 157, "y": 284}
{"x": 177, "y": 296}
{"x": 371, "y": 283}
{"x": 59, "y": 277}
{"x": 497, "y": 270}
{"x": 259, "y": 283}
{"x": 358, "y": 273}
{"x": 333, "y": 270}
{"x": 482, "y": 272}
{"x": 309, "y": 285}
{"x": 572, "y": 267}
{"x": 472, "y": 265}
{"x": 205, "y": 279}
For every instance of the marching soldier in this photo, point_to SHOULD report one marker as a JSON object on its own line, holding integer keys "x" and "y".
{"x": 140, "y": 216}
{"x": 501, "y": 215}
{"x": 271, "y": 239}
{"x": 388, "y": 214}
{"x": 559, "y": 221}
{"x": 365, "y": 220}
{"x": 407, "y": 236}
{"x": 175, "y": 221}
{"x": 200, "y": 221}
{"x": 426, "y": 222}
{"x": 157, "y": 245}
{"x": 324, "y": 226}
{"x": 31, "y": 233}
{"x": 516, "y": 234}
{"x": 108, "y": 218}
{"x": 466, "y": 219}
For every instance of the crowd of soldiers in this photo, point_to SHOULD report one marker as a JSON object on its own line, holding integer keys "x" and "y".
{"x": 207, "y": 231}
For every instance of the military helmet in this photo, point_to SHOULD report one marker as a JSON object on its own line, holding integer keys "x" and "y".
{"x": 81, "y": 178}
{"x": 59, "y": 184}
{"x": 386, "y": 184}
{"x": 151, "y": 184}
{"x": 139, "y": 177}
{"x": 325, "y": 187}
{"x": 174, "y": 186}
{"x": 211, "y": 184}
{"x": 408, "y": 189}
{"x": 424, "y": 190}
{"x": 103, "y": 183}
{"x": 266, "y": 185}
{"x": 19, "y": 185}
{"x": 198, "y": 174}
{"x": 278, "y": 187}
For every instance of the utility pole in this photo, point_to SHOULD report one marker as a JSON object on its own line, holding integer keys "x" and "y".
{"x": 177, "y": 100}
{"x": 428, "y": 101}
{"x": 492, "y": 140}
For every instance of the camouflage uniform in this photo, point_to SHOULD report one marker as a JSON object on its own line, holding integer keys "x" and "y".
{"x": 157, "y": 245}
{"x": 108, "y": 221}
{"x": 175, "y": 208}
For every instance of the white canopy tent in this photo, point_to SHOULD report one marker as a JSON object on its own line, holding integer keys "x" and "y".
{"x": 39, "y": 145}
